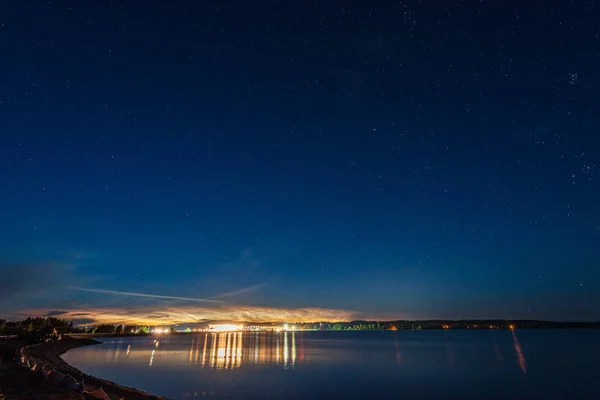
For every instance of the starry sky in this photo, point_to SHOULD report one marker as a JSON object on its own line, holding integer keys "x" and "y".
{"x": 304, "y": 160}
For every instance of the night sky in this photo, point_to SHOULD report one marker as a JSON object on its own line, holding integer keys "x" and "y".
{"x": 270, "y": 160}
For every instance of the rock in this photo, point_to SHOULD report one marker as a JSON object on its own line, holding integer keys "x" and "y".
{"x": 98, "y": 394}
{"x": 57, "y": 376}
{"x": 71, "y": 383}
{"x": 47, "y": 334}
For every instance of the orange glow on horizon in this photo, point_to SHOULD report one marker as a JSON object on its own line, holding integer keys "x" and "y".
{"x": 175, "y": 315}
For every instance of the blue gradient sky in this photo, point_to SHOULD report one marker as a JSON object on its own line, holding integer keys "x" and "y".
{"x": 408, "y": 161}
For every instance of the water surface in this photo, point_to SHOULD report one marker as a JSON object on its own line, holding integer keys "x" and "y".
{"x": 495, "y": 364}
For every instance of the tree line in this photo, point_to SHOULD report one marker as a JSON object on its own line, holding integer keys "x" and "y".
{"x": 62, "y": 326}
{"x": 36, "y": 324}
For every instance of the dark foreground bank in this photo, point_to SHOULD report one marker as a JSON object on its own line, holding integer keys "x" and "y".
{"x": 38, "y": 372}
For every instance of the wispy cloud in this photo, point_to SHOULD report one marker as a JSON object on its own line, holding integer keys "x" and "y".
{"x": 55, "y": 313}
{"x": 241, "y": 291}
{"x": 146, "y": 295}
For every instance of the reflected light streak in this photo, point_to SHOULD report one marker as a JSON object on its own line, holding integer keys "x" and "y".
{"x": 197, "y": 349}
{"x": 293, "y": 349}
{"x": 152, "y": 357}
{"x": 519, "y": 351}
{"x": 221, "y": 348}
{"x": 227, "y": 349}
{"x": 256, "y": 348}
{"x": 278, "y": 352}
{"x": 192, "y": 350}
{"x": 397, "y": 346}
{"x": 285, "y": 350}
{"x": 204, "y": 350}
{"x": 238, "y": 351}
{"x": 233, "y": 350}
{"x": 213, "y": 351}
{"x": 235, "y": 344}
{"x": 230, "y": 350}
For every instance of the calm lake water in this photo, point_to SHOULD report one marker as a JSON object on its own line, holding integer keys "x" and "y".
{"x": 495, "y": 364}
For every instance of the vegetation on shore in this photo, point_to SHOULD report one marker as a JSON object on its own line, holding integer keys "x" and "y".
{"x": 62, "y": 326}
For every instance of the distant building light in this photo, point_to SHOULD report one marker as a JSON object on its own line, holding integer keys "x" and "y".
{"x": 225, "y": 328}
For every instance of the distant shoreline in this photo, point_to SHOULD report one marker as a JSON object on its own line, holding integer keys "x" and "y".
{"x": 369, "y": 326}
{"x": 64, "y": 327}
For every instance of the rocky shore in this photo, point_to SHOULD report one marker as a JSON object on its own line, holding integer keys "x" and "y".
{"x": 38, "y": 372}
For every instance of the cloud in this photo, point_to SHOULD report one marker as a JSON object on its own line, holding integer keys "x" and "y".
{"x": 241, "y": 291}
{"x": 174, "y": 315}
{"x": 83, "y": 321}
{"x": 146, "y": 295}
{"x": 156, "y": 316}
{"x": 48, "y": 289}
{"x": 55, "y": 313}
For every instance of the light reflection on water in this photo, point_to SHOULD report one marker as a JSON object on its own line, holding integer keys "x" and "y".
{"x": 319, "y": 365}
{"x": 519, "y": 352}
{"x": 218, "y": 351}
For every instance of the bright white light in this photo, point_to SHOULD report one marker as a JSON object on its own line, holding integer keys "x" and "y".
{"x": 285, "y": 327}
{"x": 225, "y": 328}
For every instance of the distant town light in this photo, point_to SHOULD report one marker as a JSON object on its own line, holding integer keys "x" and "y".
{"x": 225, "y": 328}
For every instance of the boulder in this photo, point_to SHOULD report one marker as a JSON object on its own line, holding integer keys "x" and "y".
{"x": 98, "y": 394}
{"x": 71, "y": 383}
{"x": 57, "y": 376}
